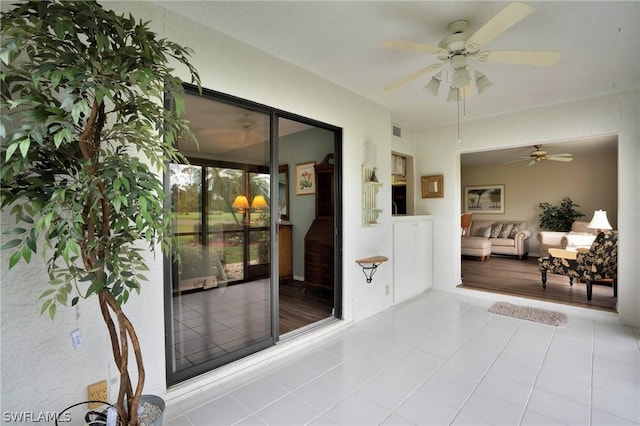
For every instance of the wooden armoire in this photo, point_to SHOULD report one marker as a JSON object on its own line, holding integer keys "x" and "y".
{"x": 319, "y": 240}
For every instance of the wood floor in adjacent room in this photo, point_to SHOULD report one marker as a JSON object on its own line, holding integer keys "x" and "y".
{"x": 298, "y": 310}
{"x": 514, "y": 277}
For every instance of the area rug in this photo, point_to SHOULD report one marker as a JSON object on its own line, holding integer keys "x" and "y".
{"x": 530, "y": 314}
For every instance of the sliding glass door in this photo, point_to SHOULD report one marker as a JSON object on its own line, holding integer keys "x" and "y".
{"x": 221, "y": 303}
{"x": 242, "y": 230}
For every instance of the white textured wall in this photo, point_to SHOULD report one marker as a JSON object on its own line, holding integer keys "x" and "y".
{"x": 437, "y": 151}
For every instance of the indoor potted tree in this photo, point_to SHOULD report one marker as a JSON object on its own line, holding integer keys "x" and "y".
{"x": 85, "y": 138}
{"x": 559, "y": 218}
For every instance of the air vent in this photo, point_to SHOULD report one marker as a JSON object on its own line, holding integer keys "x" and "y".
{"x": 397, "y": 131}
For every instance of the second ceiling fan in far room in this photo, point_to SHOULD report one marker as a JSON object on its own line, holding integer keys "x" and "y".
{"x": 538, "y": 155}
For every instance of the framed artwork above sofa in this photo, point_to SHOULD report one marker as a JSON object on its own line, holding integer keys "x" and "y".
{"x": 484, "y": 199}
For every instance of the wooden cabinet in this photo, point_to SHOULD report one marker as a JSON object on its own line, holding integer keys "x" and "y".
{"x": 412, "y": 256}
{"x": 325, "y": 189}
{"x": 318, "y": 255}
{"x": 284, "y": 251}
{"x": 319, "y": 240}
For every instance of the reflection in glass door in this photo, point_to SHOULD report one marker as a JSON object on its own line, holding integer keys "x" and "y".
{"x": 221, "y": 304}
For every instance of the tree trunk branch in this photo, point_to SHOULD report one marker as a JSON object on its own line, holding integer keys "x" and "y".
{"x": 119, "y": 343}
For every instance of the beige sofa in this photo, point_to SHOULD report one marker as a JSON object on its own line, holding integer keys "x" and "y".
{"x": 579, "y": 236}
{"x": 504, "y": 237}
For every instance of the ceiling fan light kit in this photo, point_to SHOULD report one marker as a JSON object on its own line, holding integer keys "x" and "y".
{"x": 459, "y": 46}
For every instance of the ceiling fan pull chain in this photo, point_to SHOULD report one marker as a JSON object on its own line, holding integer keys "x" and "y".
{"x": 464, "y": 102}
{"x": 458, "y": 108}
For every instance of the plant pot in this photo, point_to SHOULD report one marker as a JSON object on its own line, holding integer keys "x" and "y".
{"x": 156, "y": 401}
{"x": 99, "y": 417}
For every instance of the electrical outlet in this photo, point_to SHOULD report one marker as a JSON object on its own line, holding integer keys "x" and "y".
{"x": 387, "y": 290}
{"x": 97, "y": 392}
{"x": 76, "y": 338}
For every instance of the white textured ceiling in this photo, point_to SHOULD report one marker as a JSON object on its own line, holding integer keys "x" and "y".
{"x": 340, "y": 41}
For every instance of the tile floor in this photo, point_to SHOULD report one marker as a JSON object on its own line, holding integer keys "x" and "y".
{"x": 439, "y": 359}
{"x": 213, "y": 323}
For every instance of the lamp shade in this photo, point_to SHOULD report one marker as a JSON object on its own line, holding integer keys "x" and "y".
{"x": 482, "y": 82}
{"x": 461, "y": 77}
{"x": 453, "y": 94}
{"x": 258, "y": 202}
{"x": 599, "y": 220}
{"x": 434, "y": 85}
{"x": 240, "y": 203}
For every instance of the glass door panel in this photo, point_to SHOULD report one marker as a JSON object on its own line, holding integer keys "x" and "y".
{"x": 221, "y": 305}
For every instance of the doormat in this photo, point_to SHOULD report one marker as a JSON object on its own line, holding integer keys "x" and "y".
{"x": 530, "y": 314}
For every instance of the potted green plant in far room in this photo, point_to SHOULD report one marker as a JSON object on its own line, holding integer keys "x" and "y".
{"x": 559, "y": 218}
{"x": 85, "y": 138}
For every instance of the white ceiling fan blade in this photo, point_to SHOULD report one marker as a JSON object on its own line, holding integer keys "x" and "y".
{"x": 517, "y": 161}
{"x": 411, "y": 77}
{"x": 510, "y": 15}
{"x": 524, "y": 57}
{"x": 532, "y": 163}
{"x": 564, "y": 154}
{"x": 553, "y": 158}
{"x": 409, "y": 45}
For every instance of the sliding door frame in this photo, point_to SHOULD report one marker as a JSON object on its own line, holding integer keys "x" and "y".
{"x": 175, "y": 377}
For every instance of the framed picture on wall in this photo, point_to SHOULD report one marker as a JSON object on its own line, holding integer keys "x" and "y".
{"x": 432, "y": 186}
{"x": 484, "y": 199}
{"x": 305, "y": 178}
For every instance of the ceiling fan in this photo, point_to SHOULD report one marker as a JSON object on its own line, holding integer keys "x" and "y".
{"x": 459, "y": 46}
{"x": 245, "y": 123}
{"x": 244, "y": 126}
{"x": 538, "y": 155}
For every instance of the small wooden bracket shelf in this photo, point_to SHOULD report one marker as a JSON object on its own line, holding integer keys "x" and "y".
{"x": 370, "y": 265}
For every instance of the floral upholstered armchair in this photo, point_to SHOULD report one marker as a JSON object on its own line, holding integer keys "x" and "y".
{"x": 598, "y": 263}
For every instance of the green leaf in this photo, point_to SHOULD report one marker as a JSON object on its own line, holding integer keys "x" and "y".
{"x": 52, "y": 311}
{"x": 26, "y": 253}
{"x": 31, "y": 241}
{"x": 71, "y": 244}
{"x": 62, "y": 297}
{"x": 10, "y": 150}
{"x": 46, "y": 305}
{"x": 27, "y": 219}
{"x": 14, "y": 259}
{"x": 15, "y": 231}
{"x": 56, "y": 76}
{"x": 82, "y": 107}
{"x": 24, "y": 147}
{"x": 116, "y": 204}
{"x": 11, "y": 244}
{"x": 47, "y": 292}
